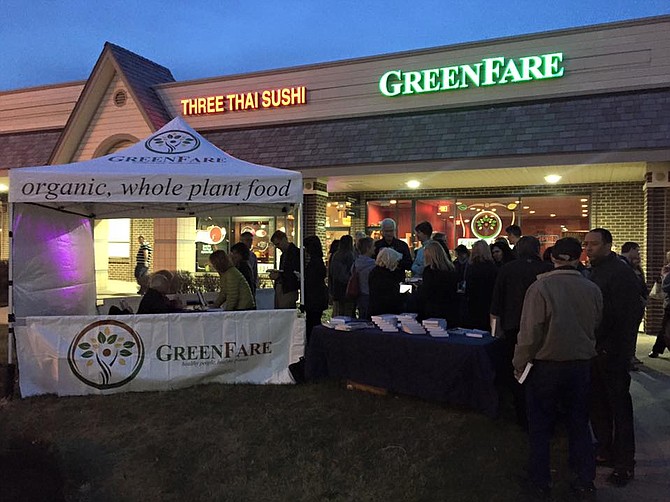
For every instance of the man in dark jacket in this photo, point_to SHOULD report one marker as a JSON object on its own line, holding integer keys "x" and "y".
{"x": 389, "y": 240}
{"x": 287, "y": 282}
{"x": 612, "y": 408}
{"x": 630, "y": 255}
{"x": 514, "y": 278}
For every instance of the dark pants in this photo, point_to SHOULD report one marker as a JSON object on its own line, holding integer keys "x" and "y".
{"x": 551, "y": 384}
{"x": 660, "y": 345}
{"x": 312, "y": 318}
{"x": 612, "y": 411}
{"x": 510, "y": 383}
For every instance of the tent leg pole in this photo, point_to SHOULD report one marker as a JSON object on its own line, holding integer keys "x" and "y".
{"x": 10, "y": 295}
{"x": 300, "y": 239}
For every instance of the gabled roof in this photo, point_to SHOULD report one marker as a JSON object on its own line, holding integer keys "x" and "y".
{"x": 138, "y": 74}
{"x": 142, "y": 75}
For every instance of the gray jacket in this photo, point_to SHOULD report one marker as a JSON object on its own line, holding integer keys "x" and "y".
{"x": 560, "y": 314}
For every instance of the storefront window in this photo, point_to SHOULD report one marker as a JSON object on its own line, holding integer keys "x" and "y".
{"x": 211, "y": 234}
{"x": 553, "y": 217}
{"x": 440, "y": 213}
{"x": 338, "y": 221}
{"x": 400, "y": 210}
{"x": 484, "y": 218}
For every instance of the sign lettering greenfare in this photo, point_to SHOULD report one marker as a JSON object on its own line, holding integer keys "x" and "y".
{"x": 487, "y": 72}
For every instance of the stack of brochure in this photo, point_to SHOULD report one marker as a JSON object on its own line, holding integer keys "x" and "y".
{"x": 436, "y": 326}
{"x": 337, "y": 320}
{"x": 409, "y": 324}
{"x": 386, "y": 322}
{"x": 352, "y": 325}
{"x": 477, "y": 333}
{"x": 470, "y": 332}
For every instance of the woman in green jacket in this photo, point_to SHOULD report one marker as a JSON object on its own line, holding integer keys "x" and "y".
{"x": 234, "y": 289}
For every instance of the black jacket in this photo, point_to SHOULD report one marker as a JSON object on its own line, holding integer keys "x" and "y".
{"x": 385, "y": 296}
{"x": 437, "y": 295}
{"x": 155, "y": 302}
{"x": 339, "y": 274}
{"x": 622, "y": 307}
{"x": 480, "y": 279}
{"x": 514, "y": 279}
{"x": 316, "y": 292}
{"x": 289, "y": 263}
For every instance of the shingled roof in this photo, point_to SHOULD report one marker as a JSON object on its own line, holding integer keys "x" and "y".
{"x": 142, "y": 75}
{"x": 597, "y": 123}
{"x": 27, "y": 149}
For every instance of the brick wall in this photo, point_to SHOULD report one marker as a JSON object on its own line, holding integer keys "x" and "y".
{"x": 314, "y": 214}
{"x": 656, "y": 217}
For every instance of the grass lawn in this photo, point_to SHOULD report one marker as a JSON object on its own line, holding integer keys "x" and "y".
{"x": 316, "y": 441}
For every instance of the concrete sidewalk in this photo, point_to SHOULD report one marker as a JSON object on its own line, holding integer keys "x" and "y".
{"x": 650, "y": 388}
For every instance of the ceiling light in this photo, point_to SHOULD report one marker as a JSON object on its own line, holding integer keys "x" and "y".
{"x": 451, "y": 217}
{"x": 413, "y": 184}
{"x": 531, "y": 211}
{"x": 438, "y": 213}
{"x": 494, "y": 209}
{"x": 517, "y": 202}
{"x": 466, "y": 221}
{"x": 585, "y": 205}
{"x": 552, "y": 178}
{"x": 584, "y": 215}
{"x": 584, "y": 200}
{"x": 526, "y": 207}
{"x": 552, "y": 215}
{"x": 393, "y": 201}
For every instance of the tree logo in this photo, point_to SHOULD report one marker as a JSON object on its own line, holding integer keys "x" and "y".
{"x": 106, "y": 354}
{"x": 486, "y": 225}
{"x": 173, "y": 142}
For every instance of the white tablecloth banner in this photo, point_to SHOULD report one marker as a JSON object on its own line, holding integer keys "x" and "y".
{"x": 108, "y": 354}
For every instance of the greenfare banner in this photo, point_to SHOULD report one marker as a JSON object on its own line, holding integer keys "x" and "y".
{"x": 487, "y": 72}
{"x": 78, "y": 355}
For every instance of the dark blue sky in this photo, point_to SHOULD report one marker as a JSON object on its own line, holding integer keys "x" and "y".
{"x": 53, "y": 41}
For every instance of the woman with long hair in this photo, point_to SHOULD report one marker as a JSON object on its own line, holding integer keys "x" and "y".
{"x": 480, "y": 277}
{"x": 339, "y": 272}
{"x": 501, "y": 253}
{"x": 437, "y": 295}
{"x": 316, "y": 291}
{"x": 235, "y": 292}
{"x": 663, "y": 337}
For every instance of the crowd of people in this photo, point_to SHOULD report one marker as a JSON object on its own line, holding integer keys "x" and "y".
{"x": 576, "y": 325}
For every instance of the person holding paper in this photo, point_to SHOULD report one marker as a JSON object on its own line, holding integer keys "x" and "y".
{"x": 560, "y": 314}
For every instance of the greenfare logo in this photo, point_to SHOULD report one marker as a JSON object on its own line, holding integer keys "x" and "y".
{"x": 488, "y": 72}
{"x": 106, "y": 354}
{"x": 173, "y": 142}
{"x": 486, "y": 225}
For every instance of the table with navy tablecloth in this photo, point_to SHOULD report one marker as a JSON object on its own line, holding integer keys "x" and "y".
{"x": 455, "y": 370}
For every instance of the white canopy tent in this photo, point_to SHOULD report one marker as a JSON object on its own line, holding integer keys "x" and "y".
{"x": 173, "y": 173}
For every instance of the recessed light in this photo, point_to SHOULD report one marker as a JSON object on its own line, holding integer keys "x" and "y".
{"x": 584, "y": 200}
{"x": 413, "y": 184}
{"x": 466, "y": 221}
{"x": 552, "y": 178}
{"x": 451, "y": 217}
{"x": 517, "y": 202}
{"x": 552, "y": 215}
{"x": 531, "y": 211}
{"x": 526, "y": 207}
{"x": 585, "y": 205}
{"x": 438, "y": 213}
{"x": 494, "y": 209}
{"x": 584, "y": 215}
{"x": 393, "y": 201}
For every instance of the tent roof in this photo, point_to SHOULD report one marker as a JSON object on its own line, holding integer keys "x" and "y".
{"x": 174, "y": 172}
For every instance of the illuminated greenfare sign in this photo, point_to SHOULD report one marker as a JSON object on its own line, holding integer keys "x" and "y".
{"x": 489, "y": 71}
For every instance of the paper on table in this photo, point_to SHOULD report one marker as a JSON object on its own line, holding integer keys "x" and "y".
{"x": 524, "y": 375}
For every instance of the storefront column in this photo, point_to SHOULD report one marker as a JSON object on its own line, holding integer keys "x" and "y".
{"x": 657, "y": 238}
{"x": 174, "y": 246}
{"x": 315, "y": 198}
